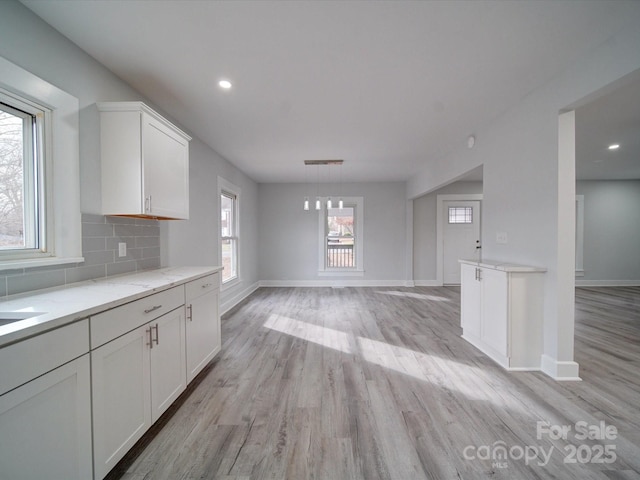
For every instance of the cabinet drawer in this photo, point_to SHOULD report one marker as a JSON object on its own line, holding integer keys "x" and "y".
{"x": 113, "y": 323}
{"x": 23, "y": 361}
{"x": 202, "y": 285}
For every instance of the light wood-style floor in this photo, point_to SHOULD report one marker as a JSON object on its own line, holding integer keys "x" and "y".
{"x": 376, "y": 383}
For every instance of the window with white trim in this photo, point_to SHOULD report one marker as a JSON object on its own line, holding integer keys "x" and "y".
{"x": 341, "y": 238}
{"x": 23, "y": 208}
{"x": 229, "y": 229}
{"x": 40, "y": 184}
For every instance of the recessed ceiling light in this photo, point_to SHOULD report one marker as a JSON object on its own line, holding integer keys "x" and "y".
{"x": 226, "y": 84}
{"x": 615, "y": 146}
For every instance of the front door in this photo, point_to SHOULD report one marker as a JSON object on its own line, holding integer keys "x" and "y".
{"x": 460, "y": 236}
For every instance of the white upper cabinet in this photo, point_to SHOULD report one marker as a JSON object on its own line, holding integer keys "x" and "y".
{"x": 145, "y": 163}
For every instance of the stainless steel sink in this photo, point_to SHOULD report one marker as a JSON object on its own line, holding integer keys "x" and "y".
{"x": 10, "y": 317}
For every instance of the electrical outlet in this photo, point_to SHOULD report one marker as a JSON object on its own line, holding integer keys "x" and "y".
{"x": 122, "y": 249}
{"x": 501, "y": 237}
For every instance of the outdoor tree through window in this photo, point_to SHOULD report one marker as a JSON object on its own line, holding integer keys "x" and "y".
{"x": 19, "y": 168}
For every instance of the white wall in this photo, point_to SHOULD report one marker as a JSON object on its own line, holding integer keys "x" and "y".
{"x": 424, "y": 229}
{"x": 611, "y": 232}
{"x": 288, "y": 247}
{"x": 197, "y": 241}
{"x": 35, "y": 46}
{"x": 523, "y": 183}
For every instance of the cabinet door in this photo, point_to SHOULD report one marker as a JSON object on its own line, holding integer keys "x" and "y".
{"x": 494, "y": 329}
{"x": 203, "y": 332}
{"x": 45, "y": 426}
{"x": 471, "y": 299}
{"x": 165, "y": 160}
{"x": 168, "y": 363}
{"x": 121, "y": 397}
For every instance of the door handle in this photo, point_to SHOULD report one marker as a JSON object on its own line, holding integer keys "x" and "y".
{"x": 157, "y": 335}
{"x": 150, "y": 344}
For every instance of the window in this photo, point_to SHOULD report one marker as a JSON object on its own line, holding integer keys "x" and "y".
{"x": 341, "y": 238}
{"x": 460, "y": 214}
{"x": 22, "y": 212}
{"x": 579, "y": 235}
{"x": 40, "y": 174}
{"x": 229, "y": 196}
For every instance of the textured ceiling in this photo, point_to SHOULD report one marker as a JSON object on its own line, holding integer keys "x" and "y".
{"x": 386, "y": 86}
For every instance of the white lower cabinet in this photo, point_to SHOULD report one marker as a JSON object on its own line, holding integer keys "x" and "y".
{"x": 471, "y": 301}
{"x": 501, "y": 312}
{"x": 45, "y": 426}
{"x": 203, "y": 323}
{"x": 76, "y": 398}
{"x": 168, "y": 362}
{"x": 135, "y": 378}
{"x": 121, "y": 388}
{"x": 495, "y": 326}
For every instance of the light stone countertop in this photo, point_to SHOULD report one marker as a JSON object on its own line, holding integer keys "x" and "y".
{"x": 504, "y": 266}
{"x": 63, "y": 305}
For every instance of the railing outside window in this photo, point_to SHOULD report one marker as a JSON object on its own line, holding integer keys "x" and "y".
{"x": 340, "y": 255}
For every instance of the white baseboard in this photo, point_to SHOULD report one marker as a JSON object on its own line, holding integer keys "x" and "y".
{"x": 335, "y": 283}
{"x": 427, "y": 283}
{"x": 607, "y": 283}
{"x": 560, "y": 370}
{"x": 227, "y": 302}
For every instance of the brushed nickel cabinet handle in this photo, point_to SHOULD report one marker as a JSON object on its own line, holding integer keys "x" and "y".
{"x": 190, "y": 312}
{"x": 155, "y": 307}
{"x": 150, "y": 344}
{"x": 157, "y": 335}
{"x": 207, "y": 285}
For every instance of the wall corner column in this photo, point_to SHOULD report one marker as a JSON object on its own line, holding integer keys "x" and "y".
{"x": 557, "y": 360}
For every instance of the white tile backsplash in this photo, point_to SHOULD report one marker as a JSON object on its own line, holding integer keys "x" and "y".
{"x": 100, "y": 238}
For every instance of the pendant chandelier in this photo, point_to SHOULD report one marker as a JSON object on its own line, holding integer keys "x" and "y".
{"x": 318, "y": 202}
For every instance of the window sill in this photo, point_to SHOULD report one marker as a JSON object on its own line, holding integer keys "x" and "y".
{"x": 341, "y": 273}
{"x": 37, "y": 262}
{"x": 229, "y": 284}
